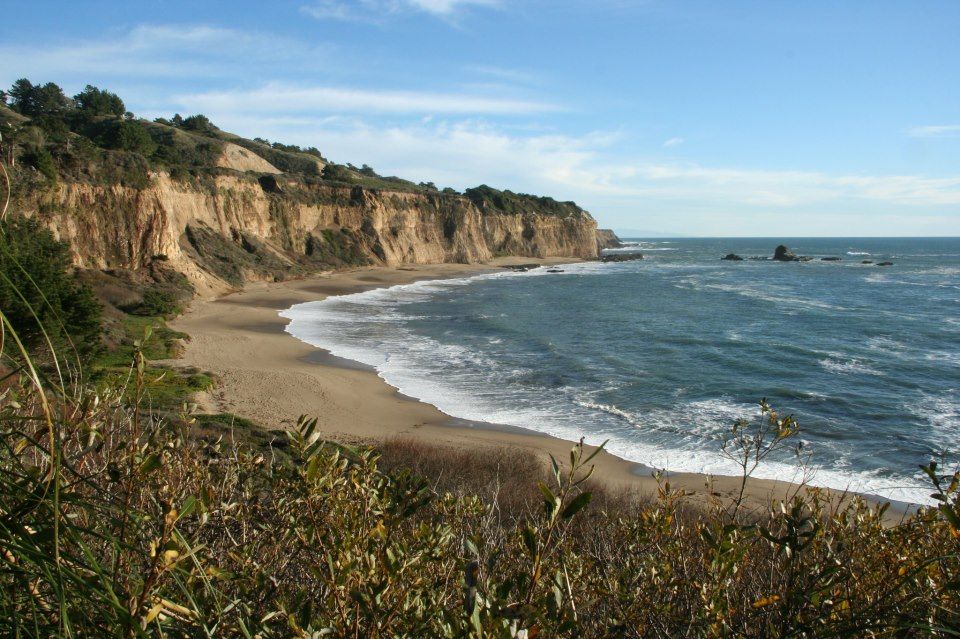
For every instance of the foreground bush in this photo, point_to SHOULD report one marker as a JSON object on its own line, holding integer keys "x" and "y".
{"x": 116, "y": 523}
{"x": 49, "y": 310}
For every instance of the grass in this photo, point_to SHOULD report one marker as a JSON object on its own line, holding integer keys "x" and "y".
{"x": 165, "y": 388}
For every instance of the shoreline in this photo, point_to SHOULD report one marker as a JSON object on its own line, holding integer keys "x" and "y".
{"x": 271, "y": 377}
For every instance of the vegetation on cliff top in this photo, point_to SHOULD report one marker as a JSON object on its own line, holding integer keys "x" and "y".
{"x": 92, "y": 137}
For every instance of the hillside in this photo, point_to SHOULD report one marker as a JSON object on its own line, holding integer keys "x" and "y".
{"x": 223, "y": 210}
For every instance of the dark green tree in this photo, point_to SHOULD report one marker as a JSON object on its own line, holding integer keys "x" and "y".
{"x": 36, "y": 100}
{"x": 199, "y": 123}
{"x": 37, "y": 293}
{"x": 93, "y": 101}
{"x": 131, "y": 136}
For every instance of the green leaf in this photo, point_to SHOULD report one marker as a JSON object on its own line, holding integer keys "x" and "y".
{"x": 150, "y": 464}
{"x": 188, "y": 506}
{"x": 530, "y": 540}
{"x": 576, "y": 505}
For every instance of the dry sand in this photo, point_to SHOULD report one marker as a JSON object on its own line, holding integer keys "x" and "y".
{"x": 272, "y": 378}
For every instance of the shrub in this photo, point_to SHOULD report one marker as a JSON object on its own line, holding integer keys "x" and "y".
{"x": 39, "y": 298}
{"x": 123, "y": 525}
{"x": 42, "y": 161}
{"x": 158, "y": 301}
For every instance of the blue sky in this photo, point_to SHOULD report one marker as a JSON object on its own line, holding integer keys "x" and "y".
{"x": 768, "y": 118}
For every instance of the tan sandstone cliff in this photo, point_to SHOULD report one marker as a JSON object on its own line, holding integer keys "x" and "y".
{"x": 221, "y": 231}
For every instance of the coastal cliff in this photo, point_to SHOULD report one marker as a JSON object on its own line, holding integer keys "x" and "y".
{"x": 234, "y": 227}
{"x": 140, "y": 197}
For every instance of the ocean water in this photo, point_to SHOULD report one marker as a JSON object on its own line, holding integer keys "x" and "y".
{"x": 661, "y": 356}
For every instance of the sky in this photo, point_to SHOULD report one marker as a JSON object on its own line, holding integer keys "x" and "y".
{"x": 694, "y": 118}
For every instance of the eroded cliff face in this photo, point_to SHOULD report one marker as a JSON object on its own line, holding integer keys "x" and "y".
{"x": 224, "y": 230}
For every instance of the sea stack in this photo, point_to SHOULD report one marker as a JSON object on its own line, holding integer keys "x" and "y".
{"x": 784, "y": 254}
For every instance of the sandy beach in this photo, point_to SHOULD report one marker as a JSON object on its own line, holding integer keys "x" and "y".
{"x": 272, "y": 378}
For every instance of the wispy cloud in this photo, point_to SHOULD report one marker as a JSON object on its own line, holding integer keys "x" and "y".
{"x": 279, "y": 99}
{"x": 159, "y": 51}
{"x": 380, "y": 10}
{"x": 587, "y": 168}
{"x": 935, "y": 131}
{"x": 677, "y": 141}
{"x": 446, "y": 7}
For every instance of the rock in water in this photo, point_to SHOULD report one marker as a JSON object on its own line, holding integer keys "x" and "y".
{"x": 733, "y": 257}
{"x": 607, "y": 239}
{"x": 783, "y": 254}
{"x": 621, "y": 257}
{"x": 884, "y": 263}
{"x": 830, "y": 259}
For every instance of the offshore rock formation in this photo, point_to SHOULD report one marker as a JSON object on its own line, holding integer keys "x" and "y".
{"x": 223, "y": 230}
{"x": 607, "y": 239}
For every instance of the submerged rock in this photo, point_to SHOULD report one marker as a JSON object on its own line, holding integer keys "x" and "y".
{"x": 884, "y": 263}
{"x": 830, "y": 259}
{"x": 621, "y": 257}
{"x": 732, "y": 257}
{"x": 866, "y": 261}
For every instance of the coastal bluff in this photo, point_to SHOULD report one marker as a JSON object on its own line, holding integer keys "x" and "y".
{"x": 234, "y": 227}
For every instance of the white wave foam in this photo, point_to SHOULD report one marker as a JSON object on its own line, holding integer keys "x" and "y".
{"x": 942, "y": 413}
{"x": 765, "y": 295}
{"x": 858, "y": 253}
{"x": 716, "y": 417}
{"x": 848, "y": 367}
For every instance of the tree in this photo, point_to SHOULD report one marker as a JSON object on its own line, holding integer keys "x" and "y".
{"x": 35, "y": 100}
{"x": 93, "y": 101}
{"x": 38, "y": 294}
{"x": 129, "y": 136}
{"x": 199, "y": 123}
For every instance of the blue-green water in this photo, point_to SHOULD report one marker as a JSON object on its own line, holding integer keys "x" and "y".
{"x": 660, "y": 356}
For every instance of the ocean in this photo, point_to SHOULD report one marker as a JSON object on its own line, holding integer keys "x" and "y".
{"x": 661, "y": 356}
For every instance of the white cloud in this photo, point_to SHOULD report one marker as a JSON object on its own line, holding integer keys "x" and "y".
{"x": 278, "y": 99}
{"x": 935, "y": 131}
{"x": 446, "y": 7}
{"x": 673, "y": 142}
{"x": 586, "y": 168}
{"x": 168, "y": 51}
{"x": 379, "y": 10}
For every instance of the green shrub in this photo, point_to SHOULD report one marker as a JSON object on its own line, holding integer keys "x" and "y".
{"x": 38, "y": 296}
{"x": 42, "y": 161}
{"x": 157, "y": 301}
{"x": 117, "y": 522}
